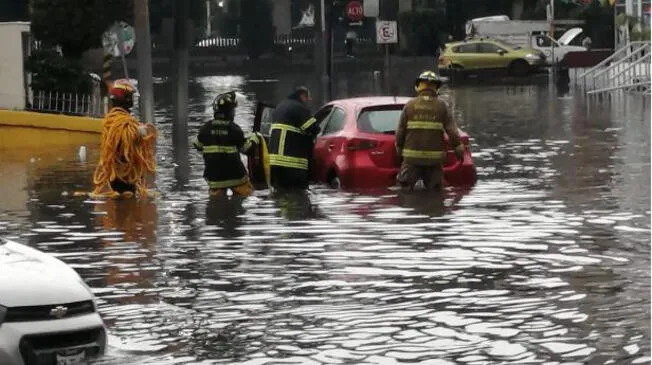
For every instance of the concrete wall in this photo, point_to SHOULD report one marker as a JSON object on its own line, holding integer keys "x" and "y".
{"x": 12, "y": 73}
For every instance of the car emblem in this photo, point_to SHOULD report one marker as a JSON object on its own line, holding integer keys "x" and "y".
{"x": 59, "y": 311}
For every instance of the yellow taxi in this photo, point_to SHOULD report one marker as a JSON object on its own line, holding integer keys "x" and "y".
{"x": 487, "y": 54}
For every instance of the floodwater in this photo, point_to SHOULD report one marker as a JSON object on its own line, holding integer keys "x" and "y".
{"x": 545, "y": 261}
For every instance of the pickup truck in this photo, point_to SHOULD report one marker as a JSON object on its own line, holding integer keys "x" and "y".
{"x": 527, "y": 34}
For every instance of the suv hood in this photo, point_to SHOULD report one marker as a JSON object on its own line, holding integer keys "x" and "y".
{"x": 29, "y": 277}
{"x": 568, "y": 37}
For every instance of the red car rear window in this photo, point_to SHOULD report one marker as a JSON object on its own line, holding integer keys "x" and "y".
{"x": 379, "y": 119}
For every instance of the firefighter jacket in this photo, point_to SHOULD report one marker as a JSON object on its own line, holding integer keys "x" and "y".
{"x": 221, "y": 142}
{"x": 420, "y": 133}
{"x": 292, "y": 135}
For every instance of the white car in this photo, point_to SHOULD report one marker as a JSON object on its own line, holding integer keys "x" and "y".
{"x": 48, "y": 315}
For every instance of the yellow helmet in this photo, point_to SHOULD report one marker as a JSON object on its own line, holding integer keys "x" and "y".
{"x": 429, "y": 77}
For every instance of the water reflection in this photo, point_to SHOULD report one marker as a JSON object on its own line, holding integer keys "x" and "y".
{"x": 295, "y": 205}
{"x": 224, "y": 214}
{"x": 545, "y": 261}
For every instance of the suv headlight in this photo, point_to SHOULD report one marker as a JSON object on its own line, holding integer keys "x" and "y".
{"x": 3, "y": 314}
{"x": 532, "y": 56}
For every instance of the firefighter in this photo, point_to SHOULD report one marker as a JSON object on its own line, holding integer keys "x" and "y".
{"x": 291, "y": 141}
{"x": 126, "y": 149}
{"x": 221, "y": 141}
{"x": 420, "y": 135}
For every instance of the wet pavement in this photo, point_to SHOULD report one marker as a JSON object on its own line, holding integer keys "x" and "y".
{"x": 545, "y": 261}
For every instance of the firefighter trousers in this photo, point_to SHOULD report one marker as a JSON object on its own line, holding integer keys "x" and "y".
{"x": 242, "y": 190}
{"x": 289, "y": 178}
{"x": 432, "y": 176}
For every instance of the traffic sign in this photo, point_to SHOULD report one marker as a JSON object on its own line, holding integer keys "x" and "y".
{"x": 386, "y": 32}
{"x": 110, "y": 40}
{"x": 371, "y": 8}
{"x": 354, "y": 11}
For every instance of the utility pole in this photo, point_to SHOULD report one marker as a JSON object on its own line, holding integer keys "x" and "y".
{"x": 182, "y": 58}
{"x": 552, "y": 36}
{"x": 325, "y": 79}
{"x": 144, "y": 54}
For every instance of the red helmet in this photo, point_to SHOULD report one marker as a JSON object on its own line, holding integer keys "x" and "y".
{"x": 122, "y": 93}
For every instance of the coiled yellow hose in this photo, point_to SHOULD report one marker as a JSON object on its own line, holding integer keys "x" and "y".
{"x": 125, "y": 154}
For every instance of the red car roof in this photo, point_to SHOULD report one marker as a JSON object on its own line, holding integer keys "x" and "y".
{"x": 363, "y": 102}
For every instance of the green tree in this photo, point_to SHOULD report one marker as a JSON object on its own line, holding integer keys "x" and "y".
{"x": 76, "y": 25}
{"x": 423, "y": 30}
{"x": 160, "y": 9}
{"x": 52, "y": 72}
{"x": 256, "y": 27}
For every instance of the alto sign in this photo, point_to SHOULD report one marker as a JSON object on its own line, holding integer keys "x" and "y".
{"x": 354, "y": 11}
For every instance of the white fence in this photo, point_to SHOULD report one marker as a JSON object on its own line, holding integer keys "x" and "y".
{"x": 67, "y": 103}
{"x": 627, "y": 69}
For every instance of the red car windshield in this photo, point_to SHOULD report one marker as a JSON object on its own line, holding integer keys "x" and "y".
{"x": 380, "y": 119}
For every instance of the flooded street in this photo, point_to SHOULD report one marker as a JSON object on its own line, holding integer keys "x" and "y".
{"x": 545, "y": 261}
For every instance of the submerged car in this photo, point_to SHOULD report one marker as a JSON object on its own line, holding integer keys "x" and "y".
{"x": 486, "y": 54}
{"x": 48, "y": 315}
{"x": 356, "y": 145}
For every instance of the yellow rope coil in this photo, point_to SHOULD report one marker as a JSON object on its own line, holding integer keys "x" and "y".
{"x": 124, "y": 154}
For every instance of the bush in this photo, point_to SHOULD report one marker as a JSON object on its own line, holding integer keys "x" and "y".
{"x": 52, "y": 72}
{"x": 423, "y": 30}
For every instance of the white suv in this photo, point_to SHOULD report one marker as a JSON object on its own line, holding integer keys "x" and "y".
{"x": 48, "y": 315}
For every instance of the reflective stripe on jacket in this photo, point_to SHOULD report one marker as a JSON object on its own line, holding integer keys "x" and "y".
{"x": 291, "y": 135}
{"x": 420, "y": 133}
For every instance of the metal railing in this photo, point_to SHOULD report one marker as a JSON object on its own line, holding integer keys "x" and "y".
{"x": 67, "y": 103}
{"x": 286, "y": 40}
{"x": 627, "y": 69}
{"x": 219, "y": 42}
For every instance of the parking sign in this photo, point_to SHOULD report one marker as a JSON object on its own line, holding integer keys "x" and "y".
{"x": 386, "y": 32}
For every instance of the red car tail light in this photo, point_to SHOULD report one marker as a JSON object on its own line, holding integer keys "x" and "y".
{"x": 361, "y": 144}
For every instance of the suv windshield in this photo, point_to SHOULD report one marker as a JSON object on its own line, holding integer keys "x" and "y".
{"x": 380, "y": 119}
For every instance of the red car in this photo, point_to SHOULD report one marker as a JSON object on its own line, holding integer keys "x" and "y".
{"x": 355, "y": 148}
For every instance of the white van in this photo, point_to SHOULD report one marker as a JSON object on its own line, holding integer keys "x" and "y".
{"x": 526, "y": 33}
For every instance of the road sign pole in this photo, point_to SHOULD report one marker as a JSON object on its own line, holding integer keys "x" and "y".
{"x": 121, "y": 48}
{"x": 387, "y": 69}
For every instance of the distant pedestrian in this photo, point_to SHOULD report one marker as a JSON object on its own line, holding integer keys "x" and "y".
{"x": 351, "y": 37}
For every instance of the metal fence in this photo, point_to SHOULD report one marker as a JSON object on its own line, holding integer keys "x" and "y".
{"x": 67, "y": 103}
{"x": 284, "y": 40}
